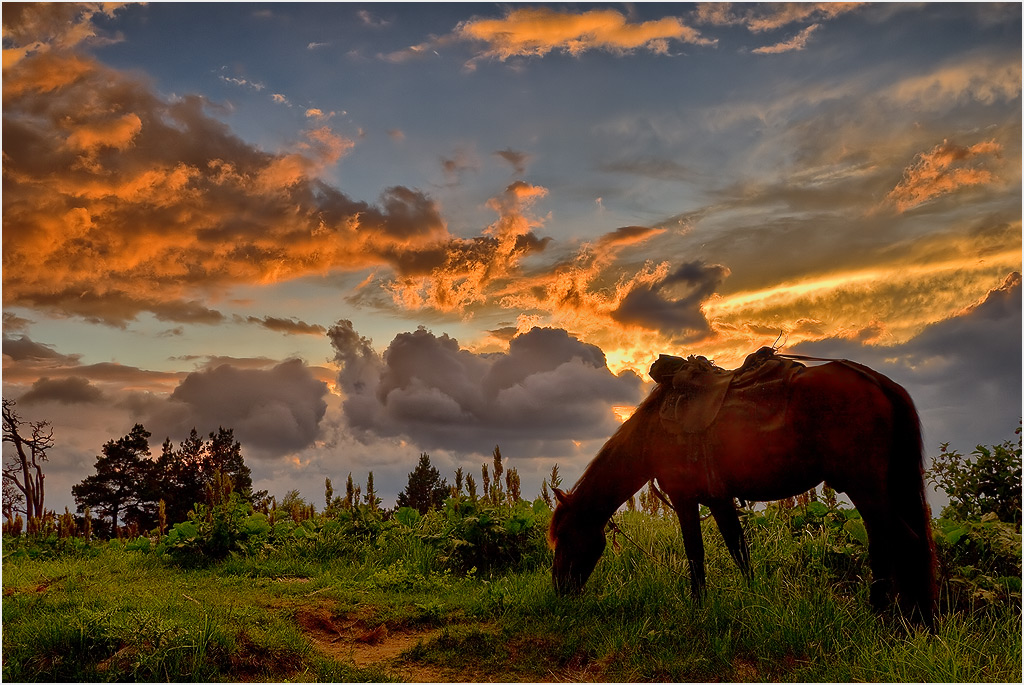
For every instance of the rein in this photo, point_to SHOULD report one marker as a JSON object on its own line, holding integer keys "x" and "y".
{"x": 806, "y": 358}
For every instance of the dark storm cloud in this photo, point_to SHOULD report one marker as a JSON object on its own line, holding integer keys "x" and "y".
{"x": 69, "y": 390}
{"x": 549, "y": 386}
{"x": 658, "y": 307}
{"x": 954, "y": 368}
{"x": 273, "y": 411}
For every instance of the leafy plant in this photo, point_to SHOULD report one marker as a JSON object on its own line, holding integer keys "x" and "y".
{"x": 213, "y": 532}
{"x": 979, "y": 562}
{"x": 476, "y": 534}
{"x": 987, "y": 482}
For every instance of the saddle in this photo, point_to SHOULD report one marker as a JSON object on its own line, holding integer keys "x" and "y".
{"x": 698, "y": 390}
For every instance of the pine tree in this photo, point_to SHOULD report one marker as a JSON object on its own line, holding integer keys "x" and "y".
{"x": 182, "y": 475}
{"x": 224, "y": 454}
{"x": 426, "y": 489}
{"x": 118, "y": 488}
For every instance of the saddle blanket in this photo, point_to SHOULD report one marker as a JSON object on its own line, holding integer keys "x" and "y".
{"x": 698, "y": 390}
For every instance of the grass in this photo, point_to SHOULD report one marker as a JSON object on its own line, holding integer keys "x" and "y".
{"x": 122, "y": 615}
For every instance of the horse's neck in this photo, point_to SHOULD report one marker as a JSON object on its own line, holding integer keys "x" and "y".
{"x": 615, "y": 474}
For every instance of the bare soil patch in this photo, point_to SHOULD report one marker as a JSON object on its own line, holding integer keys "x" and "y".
{"x": 357, "y": 639}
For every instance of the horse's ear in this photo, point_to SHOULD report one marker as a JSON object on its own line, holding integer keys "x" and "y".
{"x": 560, "y": 496}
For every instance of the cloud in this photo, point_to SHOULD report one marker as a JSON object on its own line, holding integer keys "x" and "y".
{"x": 460, "y": 273}
{"x": 69, "y": 390}
{"x": 944, "y": 169}
{"x": 273, "y": 411}
{"x": 23, "y": 348}
{"x": 953, "y": 367}
{"x": 541, "y": 30}
{"x": 34, "y": 28}
{"x": 242, "y": 83}
{"x": 25, "y": 361}
{"x": 461, "y": 161}
{"x": 985, "y": 78}
{"x": 369, "y": 19}
{"x": 287, "y": 326}
{"x": 655, "y": 306}
{"x": 651, "y": 167}
{"x": 770, "y": 16}
{"x": 797, "y": 42}
{"x": 538, "y": 31}
{"x": 117, "y": 201}
{"x": 516, "y": 159}
{"x": 549, "y": 387}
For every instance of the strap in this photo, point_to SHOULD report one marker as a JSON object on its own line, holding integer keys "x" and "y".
{"x": 806, "y": 358}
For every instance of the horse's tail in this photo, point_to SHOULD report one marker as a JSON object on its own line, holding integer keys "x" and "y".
{"x": 914, "y": 553}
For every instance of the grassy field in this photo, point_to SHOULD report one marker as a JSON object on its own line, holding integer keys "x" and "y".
{"x": 391, "y": 609}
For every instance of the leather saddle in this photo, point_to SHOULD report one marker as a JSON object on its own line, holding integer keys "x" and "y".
{"x": 698, "y": 390}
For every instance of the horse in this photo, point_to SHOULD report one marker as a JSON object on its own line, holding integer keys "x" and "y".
{"x": 843, "y": 424}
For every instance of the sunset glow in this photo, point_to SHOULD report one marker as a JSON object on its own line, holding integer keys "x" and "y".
{"x": 355, "y": 233}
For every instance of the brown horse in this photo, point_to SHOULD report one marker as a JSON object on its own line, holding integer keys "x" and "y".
{"x": 844, "y": 424}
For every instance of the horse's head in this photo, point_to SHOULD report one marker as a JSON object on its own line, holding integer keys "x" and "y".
{"x": 578, "y": 543}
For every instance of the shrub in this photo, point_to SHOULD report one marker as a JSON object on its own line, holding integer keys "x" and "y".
{"x": 475, "y": 534}
{"x": 987, "y": 482}
{"x": 979, "y": 562}
{"x": 213, "y": 532}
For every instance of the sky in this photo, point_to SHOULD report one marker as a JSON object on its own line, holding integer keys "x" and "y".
{"x": 357, "y": 232}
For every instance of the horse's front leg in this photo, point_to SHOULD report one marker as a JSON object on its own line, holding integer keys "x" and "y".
{"x": 693, "y": 541}
{"x": 729, "y": 526}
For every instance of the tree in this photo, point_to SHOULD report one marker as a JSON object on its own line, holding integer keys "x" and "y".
{"x": 426, "y": 489}
{"x": 988, "y": 482}
{"x": 25, "y": 471}
{"x": 224, "y": 454}
{"x": 119, "y": 490}
{"x": 182, "y": 476}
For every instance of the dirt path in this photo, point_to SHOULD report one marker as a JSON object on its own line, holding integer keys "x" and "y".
{"x": 351, "y": 639}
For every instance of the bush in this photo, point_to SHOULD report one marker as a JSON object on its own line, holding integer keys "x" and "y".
{"x": 988, "y": 482}
{"x": 213, "y": 532}
{"x": 472, "y": 534}
{"x": 979, "y": 562}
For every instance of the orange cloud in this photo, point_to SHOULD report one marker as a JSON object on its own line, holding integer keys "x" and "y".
{"x": 460, "y": 273}
{"x": 538, "y": 31}
{"x": 770, "y": 16}
{"x": 940, "y": 171}
{"x": 118, "y": 201}
{"x": 798, "y": 42}
{"x": 982, "y": 78}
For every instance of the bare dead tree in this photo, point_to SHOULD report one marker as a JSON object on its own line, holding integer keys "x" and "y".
{"x": 24, "y": 468}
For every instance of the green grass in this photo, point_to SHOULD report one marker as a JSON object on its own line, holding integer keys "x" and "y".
{"x": 117, "y": 615}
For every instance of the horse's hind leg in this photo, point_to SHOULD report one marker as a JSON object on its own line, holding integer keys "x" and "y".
{"x": 879, "y": 524}
{"x": 729, "y": 526}
{"x": 689, "y": 521}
